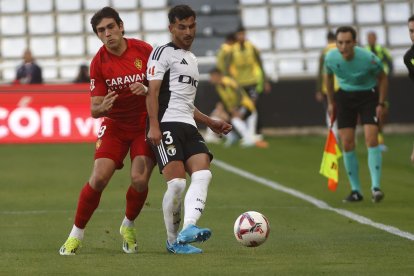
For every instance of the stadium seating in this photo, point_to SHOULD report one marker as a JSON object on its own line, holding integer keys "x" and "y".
{"x": 58, "y": 30}
{"x": 300, "y": 26}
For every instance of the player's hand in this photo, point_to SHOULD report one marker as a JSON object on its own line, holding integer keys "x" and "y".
{"x": 380, "y": 113}
{"x": 154, "y": 136}
{"x": 219, "y": 126}
{"x": 138, "y": 89}
{"x": 108, "y": 101}
{"x": 319, "y": 97}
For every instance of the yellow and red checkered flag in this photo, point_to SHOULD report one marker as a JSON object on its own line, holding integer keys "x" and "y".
{"x": 329, "y": 165}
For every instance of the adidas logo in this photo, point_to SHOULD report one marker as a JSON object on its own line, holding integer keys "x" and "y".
{"x": 184, "y": 62}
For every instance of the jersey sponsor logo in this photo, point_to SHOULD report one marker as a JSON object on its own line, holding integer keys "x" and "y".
{"x": 125, "y": 81}
{"x": 184, "y": 62}
{"x": 188, "y": 80}
{"x": 138, "y": 63}
{"x": 92, "y": 85}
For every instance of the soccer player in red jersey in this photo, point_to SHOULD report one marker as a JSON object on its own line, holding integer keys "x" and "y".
{"x": 118, "y": 74}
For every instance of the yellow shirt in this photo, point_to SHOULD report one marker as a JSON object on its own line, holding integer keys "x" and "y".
{"x": 233, "y": 96}
{"x": 244, "y": 64}
{"x": 222, "y": 55}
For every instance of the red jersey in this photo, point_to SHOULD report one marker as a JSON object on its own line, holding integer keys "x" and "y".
{"x": 117, "y": 73}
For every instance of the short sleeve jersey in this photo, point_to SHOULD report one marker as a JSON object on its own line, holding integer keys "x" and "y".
{"x": 409, "y": 62}
{"x": 358, "y": 74}
{"x": 178, "y": 70}
{"x": 117, "y": 73}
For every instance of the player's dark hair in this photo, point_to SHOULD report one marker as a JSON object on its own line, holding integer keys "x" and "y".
{"x": 231, "y": 37}
{"x": 106, "y": 12}
{"x": 180, "y": 12}
{"x": 346, "y": 29}
{"x": 241, "y": 28}
{"x": 215, "y": 70}
{"x": 330, "y": 36}
{"x": 411, "y": 18}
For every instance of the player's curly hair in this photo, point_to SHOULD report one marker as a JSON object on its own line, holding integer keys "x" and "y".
{"x": 180, "y": 12}
{"x": 106, "y": 12}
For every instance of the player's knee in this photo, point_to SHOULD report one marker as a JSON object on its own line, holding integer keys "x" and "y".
{"x": 139, "y": 182}
{"x": 176, "y": 186}
{"x": 202, "y": 175}
{"x": 99, "y": 182}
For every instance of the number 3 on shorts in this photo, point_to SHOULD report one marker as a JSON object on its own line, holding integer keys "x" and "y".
{"x": 168, "y": 138}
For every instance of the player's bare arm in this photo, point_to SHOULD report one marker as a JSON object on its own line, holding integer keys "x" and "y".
{"x": 101, "y": 105}
{"x": 218, "y": 126}
{"x": 383, "y": 91}
{"x": 154, "y": 133}
{"x": 138, "y": 89}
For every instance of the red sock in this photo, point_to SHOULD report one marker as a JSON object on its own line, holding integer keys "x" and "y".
{"x": 134, "y": 202}
{"x": 87, "y": 203}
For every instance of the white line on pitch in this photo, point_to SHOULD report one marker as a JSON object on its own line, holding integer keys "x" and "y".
{"x": 318, "y": 203}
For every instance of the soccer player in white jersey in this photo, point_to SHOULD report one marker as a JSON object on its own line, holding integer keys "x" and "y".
{"x": 172, "y": 131}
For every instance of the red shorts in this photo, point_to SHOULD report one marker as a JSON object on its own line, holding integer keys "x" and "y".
{"x": 114, "y": 142}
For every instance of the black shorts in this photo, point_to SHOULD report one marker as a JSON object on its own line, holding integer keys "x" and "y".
{"x": 351, "y": 104}
{"x": 179, "y": 142}
{"x": 251, "y": 92}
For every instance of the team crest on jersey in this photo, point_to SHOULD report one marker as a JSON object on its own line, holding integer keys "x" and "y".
{"x": 138, "y": 63}
{"x": 98, "y": 143}
{"x": 92, "y": 85}
{"x": 171, "y": 150}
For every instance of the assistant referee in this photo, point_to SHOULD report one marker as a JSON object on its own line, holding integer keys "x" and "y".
{"x": 363, "y": 90}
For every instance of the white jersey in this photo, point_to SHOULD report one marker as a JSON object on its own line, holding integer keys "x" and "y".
{"x": 178, "y": 70}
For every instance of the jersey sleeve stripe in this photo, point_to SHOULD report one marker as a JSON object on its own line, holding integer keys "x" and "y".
{"x": 158, "y": 51}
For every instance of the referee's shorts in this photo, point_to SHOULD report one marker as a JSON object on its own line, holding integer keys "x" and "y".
{"x": 351, "y": 104}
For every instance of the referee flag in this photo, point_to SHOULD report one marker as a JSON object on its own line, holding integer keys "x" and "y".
{"x": 329, "y": 165}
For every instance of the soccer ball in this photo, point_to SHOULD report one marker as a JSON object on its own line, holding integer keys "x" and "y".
{"x": 251, "y": 229}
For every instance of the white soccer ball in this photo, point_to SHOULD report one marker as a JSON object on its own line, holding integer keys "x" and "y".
{"x": 251, "y": 229}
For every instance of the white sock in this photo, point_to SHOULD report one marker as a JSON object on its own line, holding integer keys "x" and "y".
{"x": 171, "y": 207}
{"x": 195, "y": 199}
{"x": 242, "y": 129}
{"x": 251, "y": 122}
{"x": 76, "y": 233}
{"x": 128, "y": 223}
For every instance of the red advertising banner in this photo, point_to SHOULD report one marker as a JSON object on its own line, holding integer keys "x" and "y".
{"x": 46, "y": 113}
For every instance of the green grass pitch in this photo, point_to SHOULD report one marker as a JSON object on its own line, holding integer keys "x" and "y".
{"x": 40, "y": 184}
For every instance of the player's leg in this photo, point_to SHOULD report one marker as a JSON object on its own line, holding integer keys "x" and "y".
{"x": 381, "y": 123}
{"x": 371, "y": 129}
{"x": 174, "y": 173}
{"x": 347, "y": 116}
{"x": 88, "y": 202}
{"x": 109, "y": 155}
{"x": 347, "y": 136}
{"x": 142, "y": 164}
{"x": 141, "y": 168}
{"x": 374, "y": 160}
{"x": 241, "y": 127}
{"x": 195, "y": 199}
